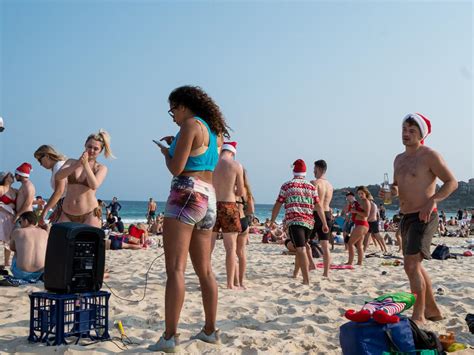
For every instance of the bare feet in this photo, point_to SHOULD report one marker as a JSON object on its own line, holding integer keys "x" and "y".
{"x": 419, "y": 321}
{"x": 235, "y": 288}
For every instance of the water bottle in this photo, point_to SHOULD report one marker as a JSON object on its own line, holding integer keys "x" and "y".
{"x": 387, "y": 200}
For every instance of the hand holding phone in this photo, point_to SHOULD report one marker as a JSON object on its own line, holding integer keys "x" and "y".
{"x": 160, "y": 144}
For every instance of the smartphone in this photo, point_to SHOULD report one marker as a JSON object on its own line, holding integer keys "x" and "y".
{"x": 160, "y": 144}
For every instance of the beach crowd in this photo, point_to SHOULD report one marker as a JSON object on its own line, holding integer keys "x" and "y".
{"x": 211, "y": 198}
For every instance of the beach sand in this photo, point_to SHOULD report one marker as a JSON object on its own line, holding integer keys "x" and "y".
{"x": 276, "y": 314}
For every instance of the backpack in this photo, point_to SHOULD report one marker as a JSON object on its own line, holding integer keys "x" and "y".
{"x": 441, "y": 252}
{"x": 425, "y": 339}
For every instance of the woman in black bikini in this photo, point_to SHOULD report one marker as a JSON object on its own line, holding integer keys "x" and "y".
{"x": 84, "y": 177}
{"x": 246, "y": 210}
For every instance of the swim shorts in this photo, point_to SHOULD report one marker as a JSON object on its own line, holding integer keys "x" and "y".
{"x": 318, "y": 226}
{"x": 192, "y": 201}
{"x": 417, "y": 235}
{"x": 228, "y": 218}
{"x": 374, "y": 227}
{"x": 299, "y": 235}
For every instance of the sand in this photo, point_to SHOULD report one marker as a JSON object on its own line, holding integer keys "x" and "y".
{"x": 276, "y": 314}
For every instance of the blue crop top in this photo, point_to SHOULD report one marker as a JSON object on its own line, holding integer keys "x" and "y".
{"x": 204, "y": 161}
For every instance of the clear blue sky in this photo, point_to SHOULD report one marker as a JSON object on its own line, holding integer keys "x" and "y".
{"x": 311, "y": 80}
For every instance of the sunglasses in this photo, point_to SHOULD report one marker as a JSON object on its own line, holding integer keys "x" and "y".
{"x": 170, "y": 111}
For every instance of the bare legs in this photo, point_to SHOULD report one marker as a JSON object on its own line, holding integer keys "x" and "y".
{"x": 301, "y": 262}
{"x": 178, "y": 240}
{"x": 326, "y": 257}
{"x": 356, "y": 238}
{"x": 420, "y": 283}
{"x": 230, "y": 245}
{"x": 242, "y": 241}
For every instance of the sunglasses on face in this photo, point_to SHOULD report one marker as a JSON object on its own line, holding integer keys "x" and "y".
{"x": 170, "y": 111}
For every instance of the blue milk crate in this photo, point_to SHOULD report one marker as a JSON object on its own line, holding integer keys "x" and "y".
{"x": 55, "y": 317}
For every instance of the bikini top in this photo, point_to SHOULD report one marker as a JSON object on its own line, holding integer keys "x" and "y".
{"x": 7, "y": 200}
{"x": 357, "y": 207}
{"x": 72, "y": 179}
{"x": 205, "y": 161}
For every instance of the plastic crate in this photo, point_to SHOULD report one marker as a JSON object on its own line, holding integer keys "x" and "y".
{"x": 56, "y": 317}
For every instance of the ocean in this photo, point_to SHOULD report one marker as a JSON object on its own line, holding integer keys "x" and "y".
{"x": 135, "y": 211}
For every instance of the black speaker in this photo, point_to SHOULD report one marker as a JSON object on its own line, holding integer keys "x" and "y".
{"x": 75, "y": 258}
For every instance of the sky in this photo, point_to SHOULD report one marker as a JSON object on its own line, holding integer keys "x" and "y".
{"x": 300, "y": 79}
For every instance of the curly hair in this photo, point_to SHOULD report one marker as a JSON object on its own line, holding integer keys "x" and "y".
{"x": 201, "y": 104}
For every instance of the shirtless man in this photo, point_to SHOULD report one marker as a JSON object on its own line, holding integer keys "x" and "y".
{"x": 29, "y": 244}
{"x": 228, "y": 180}
{"x": 151, "y": 214}
{"x": 325, "y": 191}
{"x": 414, "y": 181}
{"x": 26, "y": 193}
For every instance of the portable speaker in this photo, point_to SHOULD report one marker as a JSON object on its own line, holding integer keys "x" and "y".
{"x": 75, "y": 258}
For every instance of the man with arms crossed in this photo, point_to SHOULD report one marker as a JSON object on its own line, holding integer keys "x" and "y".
{"x": 325, "y": 191}
{"x": 228, "y": 181}
{"x": 415, "y": 173}
{"x": 26, "y": 193}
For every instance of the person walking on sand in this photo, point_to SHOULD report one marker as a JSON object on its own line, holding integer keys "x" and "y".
{"x": 228, "y": 180}
{"x": 414, "y": 182}
{"x": 190, "y": 211}
{"x": 299, "y": 198}
{"x": 325, "y": 192}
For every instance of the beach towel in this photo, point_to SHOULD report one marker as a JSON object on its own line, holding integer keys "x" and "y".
{"x": 336, "y": 267}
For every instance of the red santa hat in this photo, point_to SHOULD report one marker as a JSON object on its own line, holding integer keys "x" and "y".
{"x": 24, "y": 170}
{"x": 299, "y": 168}
{"x": 231, "y": 146}
{"x": 422, "y": 122}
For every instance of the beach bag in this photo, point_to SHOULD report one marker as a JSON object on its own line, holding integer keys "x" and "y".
{"x": 425, "y": 339}
{"x": 441, "y": 252}
{"x": 372, "y": 338}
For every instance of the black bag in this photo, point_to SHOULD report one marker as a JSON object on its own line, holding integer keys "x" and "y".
{"x": 470, "y": 322}
{"x": 441, "y": 252}
{"x": 316, "y": 250}
{"x": 425, "y": 339}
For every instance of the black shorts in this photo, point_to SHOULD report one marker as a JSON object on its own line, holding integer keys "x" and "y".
{"x": 115, "y": 242}
{"x": 417, "y": 235}
{"x": 244, "y": 224}
{"x": 318, "y": 226}
{"x": 374, "y": 227}
{"x": 299, "y": 235}
{"x": 151, "y": 214}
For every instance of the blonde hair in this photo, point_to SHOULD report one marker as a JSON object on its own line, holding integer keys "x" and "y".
{"x": 50, "y": 151}
{"x": 247, "y": 186}
{"x": 104, "y": 138}
{"x": 366, "y": 191}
